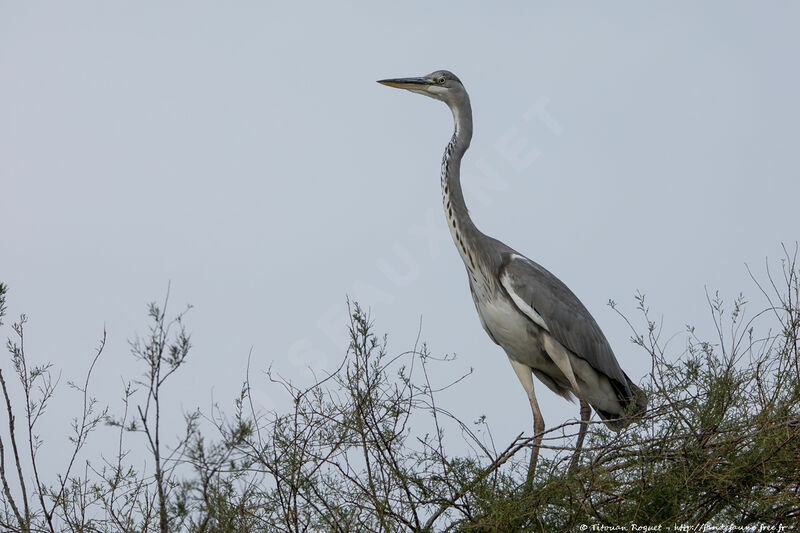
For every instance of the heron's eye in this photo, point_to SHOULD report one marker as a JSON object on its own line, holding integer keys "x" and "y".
{"x": 441, "y": 80}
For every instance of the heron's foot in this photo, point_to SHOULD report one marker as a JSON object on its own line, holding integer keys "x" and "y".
{"x": 532, "y": 466}
{"x": 538, "y": 432}
{"x": 573, "y": 463}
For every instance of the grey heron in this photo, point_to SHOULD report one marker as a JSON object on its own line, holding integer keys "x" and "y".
{"x": 541, "y": 325}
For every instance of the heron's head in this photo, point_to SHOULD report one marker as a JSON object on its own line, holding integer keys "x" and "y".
{"x": 442, "y": 85}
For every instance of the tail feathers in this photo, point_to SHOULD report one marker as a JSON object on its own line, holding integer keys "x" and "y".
{"x": 633, "y": 403}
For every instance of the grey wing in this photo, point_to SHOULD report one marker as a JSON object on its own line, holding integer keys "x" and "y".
{"x": 550, "y": 303}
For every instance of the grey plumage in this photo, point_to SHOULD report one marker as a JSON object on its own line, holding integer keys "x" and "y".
{"x": 573, "y": 326}
{"x": 542, "y": 326}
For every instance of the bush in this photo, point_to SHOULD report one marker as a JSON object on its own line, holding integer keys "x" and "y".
{"x": 717, "y": 447}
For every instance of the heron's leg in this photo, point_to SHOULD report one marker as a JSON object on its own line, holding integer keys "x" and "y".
{"x": 585, "y": 414}
{"x": 526, "y": 378}
{"x": 560, "y": 357}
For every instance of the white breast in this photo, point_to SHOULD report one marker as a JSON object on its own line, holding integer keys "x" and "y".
{"x": 507, "y": 326}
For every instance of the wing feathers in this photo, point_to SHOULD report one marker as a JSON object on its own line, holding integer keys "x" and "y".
{"x": 527, "y": 308}
{"x": 551, "y": 305}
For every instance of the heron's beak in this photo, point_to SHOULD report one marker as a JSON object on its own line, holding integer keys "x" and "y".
{"x": 407, "y": 83}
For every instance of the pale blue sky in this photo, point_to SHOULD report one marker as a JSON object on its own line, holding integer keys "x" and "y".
{"x": 246, "y": 155}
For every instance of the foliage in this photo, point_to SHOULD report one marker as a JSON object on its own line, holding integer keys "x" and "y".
{"x": 365, "y": 447}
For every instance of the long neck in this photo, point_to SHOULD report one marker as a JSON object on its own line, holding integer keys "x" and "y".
{"x": 465, "y": 234}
